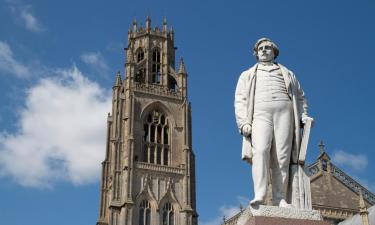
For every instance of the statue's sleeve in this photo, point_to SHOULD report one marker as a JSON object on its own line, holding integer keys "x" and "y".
{"x": 240, "y": 102}
{"x": 302, "y": 102}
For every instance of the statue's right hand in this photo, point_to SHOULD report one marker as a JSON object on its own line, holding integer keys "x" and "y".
{"x": 246, "y": 130}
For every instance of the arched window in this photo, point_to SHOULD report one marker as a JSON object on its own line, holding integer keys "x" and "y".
{"x": 140, "y": 75}
{"x": 168, "y": 214}
{"x": 140, "y": 55}
{"x": 144, "y": 213}
{"x": 155, "y": 66}
{"x": 156, "y": 144}
{"x": 172, "y": 84}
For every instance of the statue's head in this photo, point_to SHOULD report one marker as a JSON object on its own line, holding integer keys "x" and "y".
{"x": 265, "y": 50}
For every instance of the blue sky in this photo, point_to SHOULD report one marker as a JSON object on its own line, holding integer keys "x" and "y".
{"x": 58, "y": 61}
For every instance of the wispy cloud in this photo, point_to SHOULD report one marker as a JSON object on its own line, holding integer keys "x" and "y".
{"x": 30, "y": 21}
{"x": 24, "y": 14}
{"x": 353, "y": 161}
{"x": 226, "y": 211}
{"x": 9, "y": 64}
{"x": 61, "y": 132}
{"x": 96, "y": 61}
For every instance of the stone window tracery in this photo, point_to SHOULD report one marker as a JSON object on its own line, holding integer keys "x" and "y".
{"x": 140, "y": 55}
{"x": 155, "y": 66}
{"x": 156, "y": 144}
{"x": 145, "y": 213}
{"x": 168, "y": 214}
{"x": 172, "y": 84}
{"x": 140, "y": 75}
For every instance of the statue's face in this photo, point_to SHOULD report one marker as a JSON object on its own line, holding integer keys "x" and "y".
{"x": 265, "y": 52}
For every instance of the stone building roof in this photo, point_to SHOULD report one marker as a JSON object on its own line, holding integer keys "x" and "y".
{"x": 324, "y": 164}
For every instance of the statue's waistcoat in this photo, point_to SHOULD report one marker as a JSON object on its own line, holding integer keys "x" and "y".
{"x": 270, "y": 85}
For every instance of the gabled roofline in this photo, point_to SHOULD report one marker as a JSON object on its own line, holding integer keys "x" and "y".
{"x": 319, "y": 166}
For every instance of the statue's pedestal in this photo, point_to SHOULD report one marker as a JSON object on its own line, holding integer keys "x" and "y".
{"x": 261, "y": 220}
{"x": 273, "y": 215}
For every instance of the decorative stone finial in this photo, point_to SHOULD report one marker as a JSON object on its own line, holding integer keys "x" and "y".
{"x": 148, "y": 23}
{"x": 321, "y": 147}
{"x": 118, "y": 81}
{"x": 363, "y": 209}
{"x": 165, "y": 24}
{"x": 182, "y": 66}
{"x": 135, "y": 25}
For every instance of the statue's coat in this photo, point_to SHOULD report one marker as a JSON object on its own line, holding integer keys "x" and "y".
{"x": 244, "y": 107}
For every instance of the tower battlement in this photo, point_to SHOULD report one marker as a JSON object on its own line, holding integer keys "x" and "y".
{"x": 150, "y": 61}
{"x": 138, "y": 30}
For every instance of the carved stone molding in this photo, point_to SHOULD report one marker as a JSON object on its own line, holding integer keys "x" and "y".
{"x": 159, "y": 168}
{"x": 157, "y": 90}
{"x": 337, "y": 213}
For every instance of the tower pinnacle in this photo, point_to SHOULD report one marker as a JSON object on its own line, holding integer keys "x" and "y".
{"x": 118, "y": 81}
{"x": 363, "y": 209}
{"x": 165, "y": 24}
{"x": 181, "y": 68}
{"x": 134, "y": 25}
{"x": 148, "y": 24}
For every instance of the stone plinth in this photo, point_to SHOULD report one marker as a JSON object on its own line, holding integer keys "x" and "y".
{"x": 273, "y": 215}
{"x": 261, "y": 220}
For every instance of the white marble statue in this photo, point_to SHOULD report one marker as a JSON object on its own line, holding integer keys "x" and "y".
{"x": 270, "y": 109}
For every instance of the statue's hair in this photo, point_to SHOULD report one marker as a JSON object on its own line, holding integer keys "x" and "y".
{"x": 273, "y": 45}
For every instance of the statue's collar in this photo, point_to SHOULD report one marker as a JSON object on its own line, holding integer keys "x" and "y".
{"x": 268, "y": 67}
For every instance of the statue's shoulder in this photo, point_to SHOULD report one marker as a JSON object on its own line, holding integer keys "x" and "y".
{"x": 286, "y": 70}
{"x": 247, "y": 74}
{"x": 282, "y": 67}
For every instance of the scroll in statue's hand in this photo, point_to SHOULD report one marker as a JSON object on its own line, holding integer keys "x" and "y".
{"x": 307, "y": 118}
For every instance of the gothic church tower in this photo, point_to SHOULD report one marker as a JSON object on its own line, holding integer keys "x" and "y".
{"x": 148, "y": 175}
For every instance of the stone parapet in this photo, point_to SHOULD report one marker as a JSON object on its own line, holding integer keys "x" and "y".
{"x": 159, "y": 168}
{"x": 158, "y": 90}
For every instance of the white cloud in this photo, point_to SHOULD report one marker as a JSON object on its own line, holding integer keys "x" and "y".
{"x": 61, "y": 132}
{"x": 226, "y": 211}
{"x": 24, "y": 15}
{"x": 95, "y": 60}
{"x": 353, "y": 161}
{"x": 9, "y": 64}
{"x": 29, "y": 20}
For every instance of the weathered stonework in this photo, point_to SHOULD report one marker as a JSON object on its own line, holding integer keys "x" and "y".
{"x": 148, "y": 174}
{"x": 278, "y": 212}
{"x": 334, "y": 193}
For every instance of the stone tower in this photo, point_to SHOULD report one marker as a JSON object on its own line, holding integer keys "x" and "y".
{"x": 148, "y": 175}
